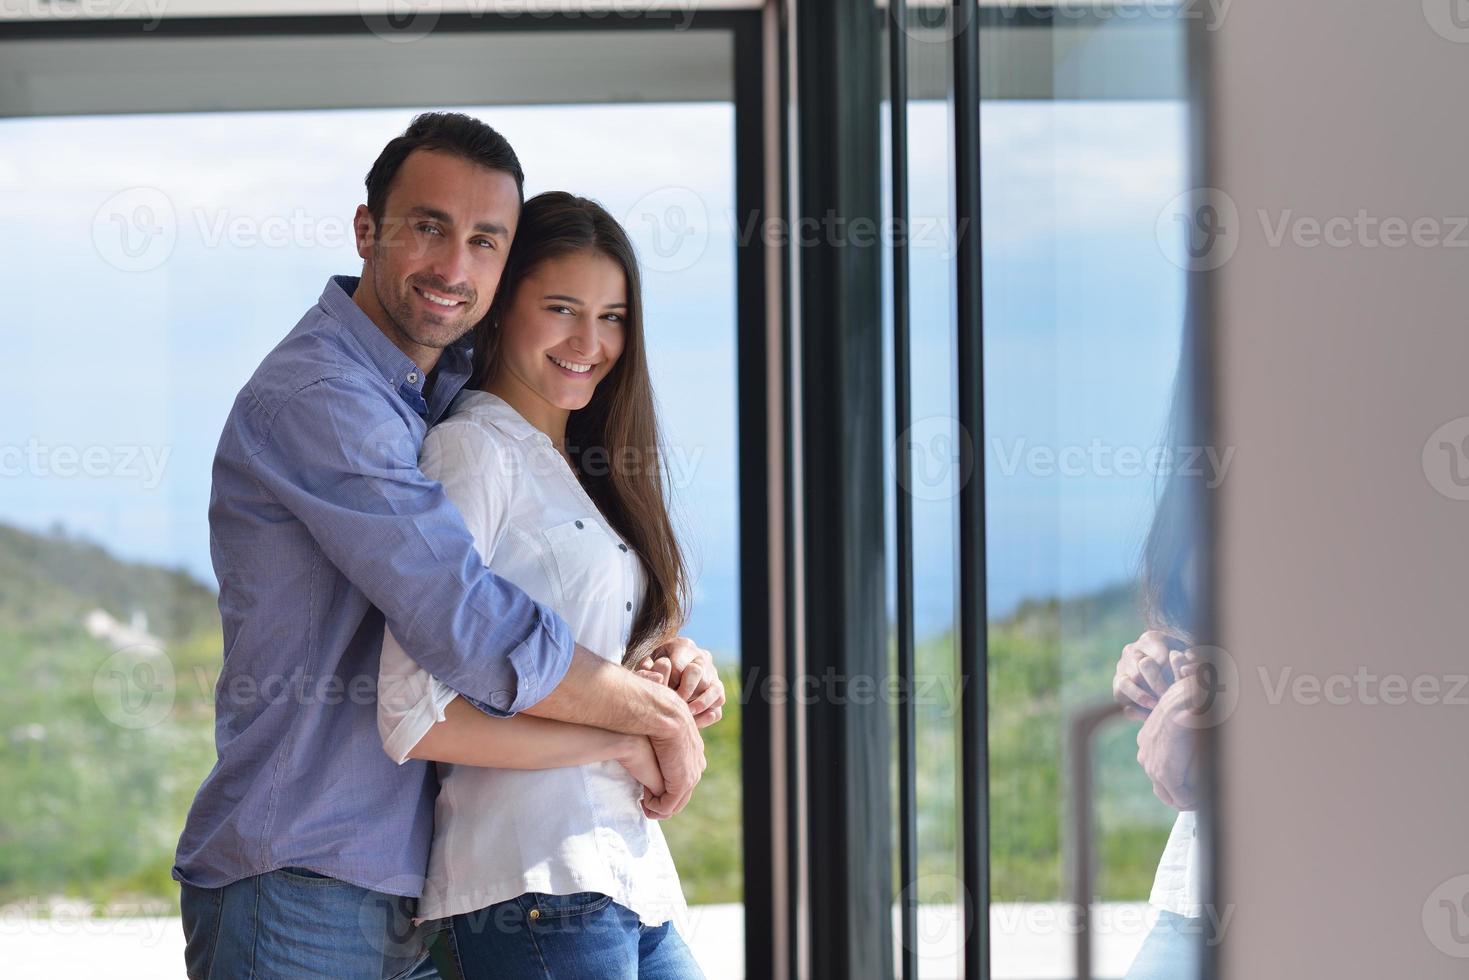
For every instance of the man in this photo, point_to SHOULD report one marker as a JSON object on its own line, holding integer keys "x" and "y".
{"x": 306, "y": 844}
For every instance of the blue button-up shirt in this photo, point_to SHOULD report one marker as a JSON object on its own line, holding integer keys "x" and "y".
{"x": 321, "y": 525}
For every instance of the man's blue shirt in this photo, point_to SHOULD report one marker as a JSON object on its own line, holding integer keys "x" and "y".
{"x": 320, "y": 526}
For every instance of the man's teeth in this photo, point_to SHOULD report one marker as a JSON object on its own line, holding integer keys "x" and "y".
{"x": 578, "y": 368}
{"x": 441, "y": 302}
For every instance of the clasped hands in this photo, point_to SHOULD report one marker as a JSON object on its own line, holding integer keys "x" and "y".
{"x": 1163, "y": 686}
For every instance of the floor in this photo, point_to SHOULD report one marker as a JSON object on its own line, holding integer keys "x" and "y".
{"x": 1030, "y": 941}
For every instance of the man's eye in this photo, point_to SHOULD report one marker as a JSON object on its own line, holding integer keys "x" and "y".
{"x": 489, "y": 243}
{"x": 429, "y": 229}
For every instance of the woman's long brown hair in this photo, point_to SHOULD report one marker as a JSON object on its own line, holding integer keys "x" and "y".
{"x": 620, "y": 422}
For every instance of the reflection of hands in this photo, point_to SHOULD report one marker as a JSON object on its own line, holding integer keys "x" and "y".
{"x": 1144, "y": 671}
{"x": 682, "y": 665}
{"x": 1166, "y": 742}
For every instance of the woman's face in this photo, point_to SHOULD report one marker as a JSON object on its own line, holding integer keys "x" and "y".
{"x": 565, "y": 329}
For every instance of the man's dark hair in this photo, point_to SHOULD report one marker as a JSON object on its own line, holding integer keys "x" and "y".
{"x": 450, "y": 132}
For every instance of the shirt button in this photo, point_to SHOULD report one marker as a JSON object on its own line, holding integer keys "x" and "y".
{"x": 622, "y": 546}
{"x": 578, "y": 525}
{"x": 629, "y": 607}
{"x": 413, "y": 377}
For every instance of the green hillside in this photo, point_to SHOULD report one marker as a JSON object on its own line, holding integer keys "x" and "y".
{"x": 1047, "y": 661}
{"x": 92, "y": 808}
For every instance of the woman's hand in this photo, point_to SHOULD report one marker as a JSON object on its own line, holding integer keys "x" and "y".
{"x": 1144, "y": 672}
{"x": 640, "y": 762}
{"x": 682, "y": 665}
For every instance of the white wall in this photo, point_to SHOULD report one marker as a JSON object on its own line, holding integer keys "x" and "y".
{"x": 1335, "y": 365}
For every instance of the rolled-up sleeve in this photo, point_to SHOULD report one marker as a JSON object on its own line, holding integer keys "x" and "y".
{"x": 344, "y": 462}
{"x": 410, "y": 700}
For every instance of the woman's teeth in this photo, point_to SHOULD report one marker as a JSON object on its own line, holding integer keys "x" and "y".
{"x": 578, "y": 368}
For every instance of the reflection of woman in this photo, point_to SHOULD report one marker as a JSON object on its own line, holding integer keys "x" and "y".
{"x": 544, "y": 861}
{"x": 1161, "y": 681}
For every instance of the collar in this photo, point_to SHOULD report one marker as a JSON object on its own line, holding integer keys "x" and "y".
{"x": 397, "y": 367}
{"x": 499, "y": 413}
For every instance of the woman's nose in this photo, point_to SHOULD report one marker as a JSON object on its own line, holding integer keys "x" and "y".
{"x": 584, "y": 337}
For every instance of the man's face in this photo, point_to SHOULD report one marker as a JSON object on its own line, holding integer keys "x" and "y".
{"x": 435, "y": 259}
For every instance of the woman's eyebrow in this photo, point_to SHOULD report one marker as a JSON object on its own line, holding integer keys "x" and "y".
{"x": 573, "y": 299}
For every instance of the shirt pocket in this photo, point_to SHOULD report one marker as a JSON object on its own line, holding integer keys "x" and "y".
{"x": 589, "y": 572}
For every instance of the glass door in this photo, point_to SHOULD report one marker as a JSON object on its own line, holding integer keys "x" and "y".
{"x": 1093, "y": 477}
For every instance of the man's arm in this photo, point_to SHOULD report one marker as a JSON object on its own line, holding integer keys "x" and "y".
{"x": 341, "y": 459}
{"x": 343, "y": 462}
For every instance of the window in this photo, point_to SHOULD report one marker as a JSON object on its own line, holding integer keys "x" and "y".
{"x": 157, "y": 256}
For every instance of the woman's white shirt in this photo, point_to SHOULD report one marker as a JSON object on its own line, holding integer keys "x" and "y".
{"x": 1177, "y": 887}
{"x": 499, "y": 833}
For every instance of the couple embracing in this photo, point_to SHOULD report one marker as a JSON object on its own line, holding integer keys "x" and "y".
{"x": 454, "y": 702}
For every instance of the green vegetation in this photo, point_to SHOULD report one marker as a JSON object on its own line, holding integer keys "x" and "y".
{"x": 1047, "y": 662}
{"x": 89, "y": 808}
{"x": 92, "y": 809}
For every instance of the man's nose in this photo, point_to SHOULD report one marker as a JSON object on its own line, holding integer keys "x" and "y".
{"x": 451, "y": 264}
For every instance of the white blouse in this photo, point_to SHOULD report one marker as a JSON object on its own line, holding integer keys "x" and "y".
{"x": 499, "y": 833}
{"x": 1178, "y": 887}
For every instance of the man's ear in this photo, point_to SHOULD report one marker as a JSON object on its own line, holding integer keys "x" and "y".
{"x": 364, "y": 230}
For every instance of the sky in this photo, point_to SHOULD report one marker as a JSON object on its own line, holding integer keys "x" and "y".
{"x": 153, "y": 260}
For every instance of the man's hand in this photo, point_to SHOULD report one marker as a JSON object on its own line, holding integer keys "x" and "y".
{"x": 680, "y": 752}
{"x": 1166, "y": 744}
{"x": 689, "y": 670}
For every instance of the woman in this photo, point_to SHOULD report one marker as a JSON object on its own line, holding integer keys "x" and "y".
{"x": 543, "y": 860}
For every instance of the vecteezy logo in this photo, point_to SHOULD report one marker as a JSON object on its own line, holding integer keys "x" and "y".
{"x": 1448, "y": 18}
{"x": 1446, "y": 917}
{"x": 945, "y": 915}
{"x": 1446, "y": 459}
{"x": 1219, "y": 688}
{"x": 940, "y": 457}
{"x": 1199, "y": 229}
{"x": 134, "y": 688}
{"x": 386, "y": 920}
{"x": 938, "y": 23}
{"x": 671, "y": 227}
{"x": 400, "y": 21}
{"x": 135, "y": 230}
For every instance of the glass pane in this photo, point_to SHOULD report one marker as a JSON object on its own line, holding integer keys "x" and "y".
{"x": 1084, "y": 151}
{"x": 930, "y": 236}
{"x": 154, "y": 261}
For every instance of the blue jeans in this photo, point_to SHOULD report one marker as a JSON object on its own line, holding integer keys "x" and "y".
{"x": 565, "y": 936}
{"x": 292, "y": 924}
{"x": 1172, "y": 951}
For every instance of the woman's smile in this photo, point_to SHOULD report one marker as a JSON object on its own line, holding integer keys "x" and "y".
{"x": 573, "y": 369}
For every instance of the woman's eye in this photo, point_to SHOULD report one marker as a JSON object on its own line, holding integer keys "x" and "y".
{"x": 614, "y": 317}
{"x": 559, "y": 309}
